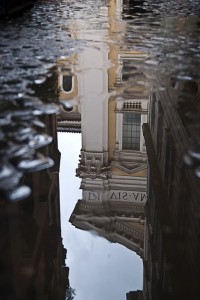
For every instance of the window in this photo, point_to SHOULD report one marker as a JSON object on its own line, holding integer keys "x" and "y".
{"x": 67, "y": 83}
{"x": 131, "y": 131}
{"x": 127, "y": 69}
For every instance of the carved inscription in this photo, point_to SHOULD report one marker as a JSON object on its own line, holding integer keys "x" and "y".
{"x": 116, "y": 195}
{"x": 128, "y": 196}
{"x": 94, "y": 196}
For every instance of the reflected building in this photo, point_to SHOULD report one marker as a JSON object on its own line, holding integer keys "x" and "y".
{"x": 112, "y": 164}
{"x": 32, "y": 263}
{"x": 172, "y": 244}
{"x": 69, "y": 118}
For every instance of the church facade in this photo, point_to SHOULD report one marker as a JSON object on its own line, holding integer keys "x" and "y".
{"x": 113, "y": 161}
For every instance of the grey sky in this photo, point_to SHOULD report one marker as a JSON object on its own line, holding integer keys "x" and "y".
{"x": 99, "y": 270}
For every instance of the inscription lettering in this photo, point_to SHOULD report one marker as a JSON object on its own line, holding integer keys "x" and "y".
{"x": 113, "y": 196}
{"x": 93, "y": 196}
{"x": 143, "y": 197}
{"x": 117, "y": 195}
{"x": 135, "y": 196}
{"x": 128, "y": 196}
{"x": 124, "y": 195}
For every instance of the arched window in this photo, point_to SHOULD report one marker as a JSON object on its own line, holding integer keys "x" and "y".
{"x": 67, "y": 83}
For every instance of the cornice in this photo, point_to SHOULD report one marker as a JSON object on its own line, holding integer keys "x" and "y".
{"x": 114, "y": 231}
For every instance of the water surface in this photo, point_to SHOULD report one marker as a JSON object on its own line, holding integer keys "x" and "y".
{"x": 79, "y": 67}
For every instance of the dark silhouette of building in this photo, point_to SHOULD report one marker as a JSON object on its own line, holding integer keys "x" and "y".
{"x": 11, "y": 7}
{"x": 172, "y": 237}
{"x": 32, "y": 260}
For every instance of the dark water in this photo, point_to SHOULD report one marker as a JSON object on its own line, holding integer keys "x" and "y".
{"x": 79, "y": 67}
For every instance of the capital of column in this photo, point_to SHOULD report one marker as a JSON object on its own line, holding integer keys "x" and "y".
{"x": 93, "y": 165}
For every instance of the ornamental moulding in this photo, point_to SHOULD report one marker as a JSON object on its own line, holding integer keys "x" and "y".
{"x": 93, "y": 165}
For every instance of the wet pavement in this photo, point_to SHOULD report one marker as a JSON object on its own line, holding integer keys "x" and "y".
{"x": 32, "y": 43}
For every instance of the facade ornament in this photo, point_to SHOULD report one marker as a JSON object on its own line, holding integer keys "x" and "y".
{"x": 93, "y": 165}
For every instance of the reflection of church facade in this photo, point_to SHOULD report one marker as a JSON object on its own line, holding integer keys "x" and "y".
{"x": 112, "y": 164}
{"x": 110, "y": 109}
